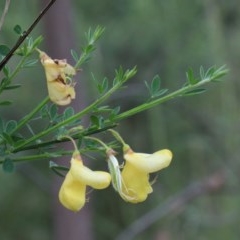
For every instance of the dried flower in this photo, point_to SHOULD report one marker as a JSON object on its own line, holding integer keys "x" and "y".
{"x": 58, "y": 73}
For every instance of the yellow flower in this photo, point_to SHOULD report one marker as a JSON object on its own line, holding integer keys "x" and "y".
{"x": 135, "y": 174}
{"x": 72, "y": 193}
{"x": 57, "y": 73}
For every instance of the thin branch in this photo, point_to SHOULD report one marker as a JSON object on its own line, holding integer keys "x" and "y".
{"x": 7, "y": 3}
{"x": 174, "y": 204}
{"x": 25, "y": 34}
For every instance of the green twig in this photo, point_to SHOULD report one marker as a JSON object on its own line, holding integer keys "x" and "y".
{"x": 28, "y": 117}
{"x": 79, "y": 115}
{"x": 168, "y": 97}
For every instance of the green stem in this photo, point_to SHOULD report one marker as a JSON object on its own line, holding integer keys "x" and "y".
{"x": 71, "y": 119}
{"x": 16, "y": 70}
{"x": 100, "y": 142}
{"x": 120, "y": 139}
{"x": 38, "y": 157}
{"x": 28, "y": 117}
{"x": 76, "y": 136}
{"x": 158, "y": 101}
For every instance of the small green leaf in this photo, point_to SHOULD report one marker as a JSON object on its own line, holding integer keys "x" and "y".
{"x": 8, "y": 138}
{"x": 160, "y": 93}
{"x": 4, "y": 50}
{"x": 69, "y": 112}
{"x": 1, "y": 125}
{"x": 8, "y": 165}
{"x": 37, "y": 41}
{"x": 114, "y": 113}
{"x": 202, "y": 74}
{"x": 155, "y": 85}
{"x": 57, "y": 168}
{"x": 53, "y": 111}
{"x": 6, "y": 71}
{"x": 210, "y": 72}
{"x": 29, "y": 63}
{"x": 194, "y": 92}
{"x": 17, "y": 29}
{"x": 13, "y": 86}
{"x": 74, "y": 55}
{"x": 5, "y": 103}
{"x": 103, "y": 87}
{"x": 190, "y": 77}
{"x": 10, "y": 126}
{"x": 98, "y": 121}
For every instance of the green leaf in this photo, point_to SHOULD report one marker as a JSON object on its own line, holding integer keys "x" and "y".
{"x": 17, "y": 29}
{"x": 36, "y": 42}
{"x": 2, "y": 149}
{"x": 114, "y": 113}
{"x": 103, "y": 87}
{"x": 57, "y": 168}
{"x": 53, "y": 111}
{"x": 1, "y": 125}
{"x": 69, "y": 112}
{"x": 8, "y": 138}
{"x": 155, "y": 85}
{"x": 194, "y": 92}
{"x": 6, "y": 71}
{"x": 160, "y": 93}
{"x": 44, "y": 111}
{"x": 74, "y": 55}
{"x": 190, "y": 77}
{"x": 98, "y": 121}
{"x": 8, "y": 165}
{"x": 29, "y": 63}
{"x": 4, "y": 50}
{"x": 5, "y": 103}
{"x": 10, "y": 126}
{"x": 202, "y": 74}
{"x": 13, "y": 86}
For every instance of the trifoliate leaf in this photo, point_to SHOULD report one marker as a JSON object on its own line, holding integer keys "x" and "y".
{"x": 8, "y": 165}
{"x": 4, "y": 50}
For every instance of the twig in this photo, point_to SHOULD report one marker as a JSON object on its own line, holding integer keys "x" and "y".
{"x": 174, "y": 204}
{"x": 7, "y": 3}
{"x": 25, "y": 34}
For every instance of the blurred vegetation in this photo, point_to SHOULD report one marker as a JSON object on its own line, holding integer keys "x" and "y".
{"x": 160, "y": 37}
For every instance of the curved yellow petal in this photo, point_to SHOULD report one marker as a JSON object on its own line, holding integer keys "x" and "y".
{"x": 94, "y": 179}
{"x": 136, "y": 186}
{"x": 72, "y": 193}
{"x": 149, "y": 162}
{"x": 73, "y": 190}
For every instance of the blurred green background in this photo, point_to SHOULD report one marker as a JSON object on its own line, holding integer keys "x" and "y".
{"x": 160, "y": 37}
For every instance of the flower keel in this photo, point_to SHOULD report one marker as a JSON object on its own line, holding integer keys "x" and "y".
{"x": 72, "y": 193}
{"x": 135, "y": 173}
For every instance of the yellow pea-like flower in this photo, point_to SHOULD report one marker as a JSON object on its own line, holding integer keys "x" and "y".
{"x": 58, "y": 72}
{"x": 135, "y": 173}
{"x": 72, "y": 193}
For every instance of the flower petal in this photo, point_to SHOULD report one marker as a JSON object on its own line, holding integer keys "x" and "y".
{"x": 149, "y": 162}
{"x": 57, "y": 71}
{"x": 60, "y": 93}
{"x": 136, "y": 184}
{"x": 94, "y": 179}
{"x": 72, "y": 193}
